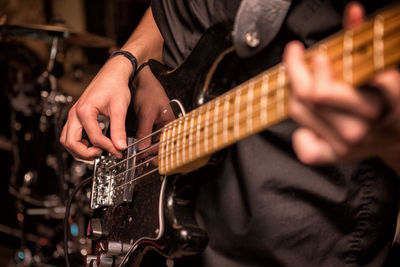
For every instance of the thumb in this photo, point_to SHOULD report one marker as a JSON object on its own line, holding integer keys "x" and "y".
{"x": 117, "y": 124}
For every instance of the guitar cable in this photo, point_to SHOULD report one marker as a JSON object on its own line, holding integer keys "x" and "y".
{"x": 66, "y": 216}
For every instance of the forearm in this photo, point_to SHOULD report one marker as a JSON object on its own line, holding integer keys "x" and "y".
{"x": 146, "y": 41}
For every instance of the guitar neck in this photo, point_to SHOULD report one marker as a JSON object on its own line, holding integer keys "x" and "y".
{"x": 355, "y": 55}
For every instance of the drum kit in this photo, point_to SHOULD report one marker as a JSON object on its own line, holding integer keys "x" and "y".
{"x": 34, "y": 102}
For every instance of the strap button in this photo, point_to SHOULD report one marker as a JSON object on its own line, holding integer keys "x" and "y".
{"x": 252, "y": 39}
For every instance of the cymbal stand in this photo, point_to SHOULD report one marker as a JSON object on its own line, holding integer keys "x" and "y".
{"x": 54, "y": 103}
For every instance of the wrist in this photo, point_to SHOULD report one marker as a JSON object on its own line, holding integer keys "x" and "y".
{"x": 128, "y": 57}
{"x": 119, "y": 68}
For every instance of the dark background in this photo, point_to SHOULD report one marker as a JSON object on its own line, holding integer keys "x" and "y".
{"x": 75, "y": 67}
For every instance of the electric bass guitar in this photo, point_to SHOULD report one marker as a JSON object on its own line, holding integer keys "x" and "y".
{"x": 144, "y": 201}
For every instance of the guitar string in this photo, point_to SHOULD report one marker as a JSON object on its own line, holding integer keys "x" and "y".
{"x": 134, "y": 179}
{"x": 115, "y": 188}
{"x": 257, "y": 110}
{"x": 156, "y": 155}
{"x": 118, "y": 175}
{"x": 390, "y": 59}
{"x": 130, "y": 181}
{"x": 191, "y": 130}
{"x": 187, "y": 144}
{"x": 137, "y": 166}
{"x": 369, "y": 41}
{"x": 142, "y": 139}
{"x": 205, "y": 123}
{"x": 134, "y": 155}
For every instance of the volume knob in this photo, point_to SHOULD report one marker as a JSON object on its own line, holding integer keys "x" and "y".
{"x": 94, "y": 230}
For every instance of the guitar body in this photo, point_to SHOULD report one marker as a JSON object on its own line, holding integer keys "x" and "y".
{"x": 192, "y": 82}
{"x": 158, "y": 218}
{"x": 136, "y": 209}
{"x": 159, "y": 215}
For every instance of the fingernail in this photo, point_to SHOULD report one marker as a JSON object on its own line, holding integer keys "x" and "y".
{"x": 119, "y": 155}
{"x": 122, "y": 144}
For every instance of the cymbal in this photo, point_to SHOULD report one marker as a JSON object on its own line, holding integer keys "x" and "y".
{"x": 47, "y": 32}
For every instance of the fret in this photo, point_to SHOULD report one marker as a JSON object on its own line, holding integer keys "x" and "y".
{"x": 264, "y": 98}
{"x": 191, "y": 135}
{"x": 215, "y": 124}
{"x": 262, "y": 101}
{"x": 179, "y": 136}
{"x": 167, "y": 146}
{"x": 162, "y": 154}
{"x": 225, "y": 118}
{"x": 281, "y": 91}
{"x": 184, "y": 134}
{"x": 173, "y": 144}
{"x": 206, "y": 127}
{"x": 249, "y": 108}
{"x": 348, "y": 56}
{"x": 237, "y": 113}
{"x": 378, "y": 42}
{"x": 198, "y": 131}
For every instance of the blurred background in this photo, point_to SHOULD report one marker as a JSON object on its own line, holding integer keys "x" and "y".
{"x": 49, "y": 52}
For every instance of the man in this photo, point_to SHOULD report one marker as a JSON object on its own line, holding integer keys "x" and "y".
{"x": 267, "y": 204}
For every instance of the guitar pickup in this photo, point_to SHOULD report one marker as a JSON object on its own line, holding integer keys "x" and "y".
{"x": 130, "y": 170}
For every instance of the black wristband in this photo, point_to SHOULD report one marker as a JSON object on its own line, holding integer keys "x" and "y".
{"x": 131, "y": 58}
{"x": 141, "y": 67}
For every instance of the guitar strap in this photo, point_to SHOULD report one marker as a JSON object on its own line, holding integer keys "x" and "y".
{"x": 256, "y": 24}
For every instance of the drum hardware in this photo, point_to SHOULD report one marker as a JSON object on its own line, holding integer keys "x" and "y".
{"x": 48, "y": 32}
{"x": 39, "y": 110}
{"x": 53, "y": 111}
{"x": 24, "y": 194}
{"x": 53, "y": 212}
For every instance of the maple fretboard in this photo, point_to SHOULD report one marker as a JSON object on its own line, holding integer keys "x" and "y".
{"x": 355, "y": 55}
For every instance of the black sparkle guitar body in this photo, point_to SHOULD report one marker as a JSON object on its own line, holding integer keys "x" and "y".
{"x": 156, "y": 212}
{"x": 136, "y": 209}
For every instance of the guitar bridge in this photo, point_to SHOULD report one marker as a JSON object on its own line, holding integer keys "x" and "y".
{"x": 113, "y": 179}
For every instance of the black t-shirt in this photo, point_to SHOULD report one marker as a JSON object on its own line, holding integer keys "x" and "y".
{"x": 261, "y": 206}
{"x": 182, "y": 23}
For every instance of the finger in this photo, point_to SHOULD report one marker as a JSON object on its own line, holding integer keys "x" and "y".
{"x": 88, "y": 119}
{"x": 146, "y": 121}
{"x": 353, "y": 15}
{"x": 298, "y": 72}
{"x": 166, "y": 116}
{"x": 321, "y": 69}
{"x": 311, "y": 149}
{"x": 350, "y": 128}
{"x": 89, "y": 152}
{"x": 73, "y": 140}
{"x": 117, "y": 124}
{"x": 306, "y": 116}
{"x": 339, "y": 95}
{"x": 389, "y": 83}
{"x": 63, "y": 135}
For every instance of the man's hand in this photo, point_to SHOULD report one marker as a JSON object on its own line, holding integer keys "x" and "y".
{"x": 339, "y": 122}
{"x": 108, "y": 94}
{"x": 111, "y": 97}
{"x": 151, "y": 105}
